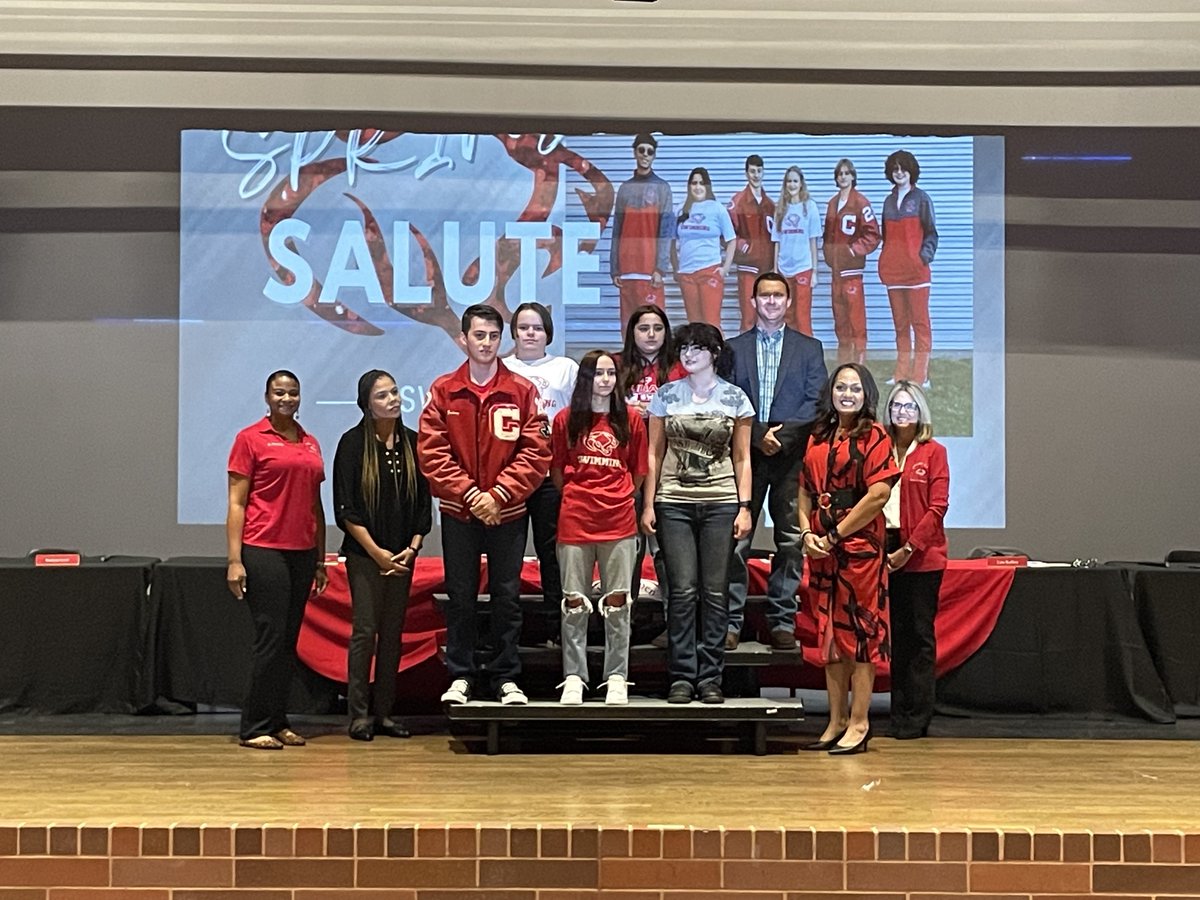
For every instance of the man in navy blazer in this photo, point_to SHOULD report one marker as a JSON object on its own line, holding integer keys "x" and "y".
{"x": 782, "y": 372}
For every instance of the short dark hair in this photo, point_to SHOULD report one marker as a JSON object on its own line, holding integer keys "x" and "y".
{"x": 481, "y": 311}
{"x": 904, "y": 160}
{"x": 280, "y": 373}
{"x": 543, "y": 314}
{"x": 754, "y": 160}
{"x": 700, "y": 334}
{"x": 644, "y": 137}
{"x": 773, "y": 276}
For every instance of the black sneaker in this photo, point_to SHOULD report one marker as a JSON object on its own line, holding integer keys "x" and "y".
{"x": 680, "y": 692}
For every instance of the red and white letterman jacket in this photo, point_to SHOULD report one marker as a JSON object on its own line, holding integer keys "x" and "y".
{"x": 489, "y": 437}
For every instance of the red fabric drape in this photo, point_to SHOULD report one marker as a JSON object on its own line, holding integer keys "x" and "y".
{"x": 971, "y": 599}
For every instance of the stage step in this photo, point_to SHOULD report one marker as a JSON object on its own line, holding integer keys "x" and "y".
{"x": 756, "y": 713}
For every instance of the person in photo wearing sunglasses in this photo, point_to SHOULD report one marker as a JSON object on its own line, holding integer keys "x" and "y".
{"x": 916, "y": 545}
{"x": 643, "y": 226}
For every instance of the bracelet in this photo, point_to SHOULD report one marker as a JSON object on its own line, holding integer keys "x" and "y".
{"x": 744, "y": 504}
{"x": 415, "y": 550}
{"x": 832, "y": 535}
{"x": 805, "y": 533}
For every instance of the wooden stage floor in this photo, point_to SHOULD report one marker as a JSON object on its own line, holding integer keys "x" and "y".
{"x": 1035, "y": 785}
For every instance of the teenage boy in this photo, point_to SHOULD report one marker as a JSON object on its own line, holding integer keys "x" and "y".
{"x": 642, "y": 230}
{"x": 782, "y": 371}
{"x": 753, "y": 214}
{"x": 484, "y": 447}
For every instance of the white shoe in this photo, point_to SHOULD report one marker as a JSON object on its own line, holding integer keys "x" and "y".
{"x": 511, "y": 695}
{"x": 458, "y": 693}
{"x": 572, "y": 691}
{"x": 618, "y": 691}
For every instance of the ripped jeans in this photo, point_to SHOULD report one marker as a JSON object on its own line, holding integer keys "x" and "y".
{"x": 577, "y": 563}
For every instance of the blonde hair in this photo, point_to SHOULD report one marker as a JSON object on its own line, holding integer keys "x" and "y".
{"x": 924, "y": 417}
{"x": 782, "y": 206}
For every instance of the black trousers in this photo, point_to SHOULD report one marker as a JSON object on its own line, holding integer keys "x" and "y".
{"x": 543, "y": 505}
{"x": 278, "y": 583}
{"x": 913, "y": 602}
{"x": 378, "y": 604}
{"x": 463, "y": 543}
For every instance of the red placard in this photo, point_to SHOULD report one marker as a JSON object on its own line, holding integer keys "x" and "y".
{"x": 1011, "y": 562}
{"x": 56, "y": 559}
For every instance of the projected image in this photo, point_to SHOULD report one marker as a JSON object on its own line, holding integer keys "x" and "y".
{"x": 332, "y": 253}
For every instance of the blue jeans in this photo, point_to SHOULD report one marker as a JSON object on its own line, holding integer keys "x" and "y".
{"x": 775, "y": 479}
{"x": 697, "y": 541}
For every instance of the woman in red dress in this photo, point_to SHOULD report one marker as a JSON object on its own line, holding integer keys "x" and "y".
{"x": 848, "y": 476}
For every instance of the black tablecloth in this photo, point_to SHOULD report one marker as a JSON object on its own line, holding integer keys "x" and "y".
{"x": 1168, "y": 608}
{"x": 1067, "y": 641}
{"x": 73, "y": 637}
{"x": 200, "y": 643}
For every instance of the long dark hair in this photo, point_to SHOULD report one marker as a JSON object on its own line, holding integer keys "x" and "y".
{"x": 370, "y": 455}
{"x": 631, "y": 361}
{"x": 686, "y": 209}
{"x": 825, "y": 426}
{"x": 579, "y": 420}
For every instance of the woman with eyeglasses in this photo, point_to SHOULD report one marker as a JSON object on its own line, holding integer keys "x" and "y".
{"x": 916, "y": 544}
{"x": 701, "y": 266}
{"x": 697, "y": 493}
{"x": 847, "y": 479}
{"x": 797, "y": 227}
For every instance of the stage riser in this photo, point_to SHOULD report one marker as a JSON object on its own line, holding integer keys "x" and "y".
{"x": 551, "y": 862}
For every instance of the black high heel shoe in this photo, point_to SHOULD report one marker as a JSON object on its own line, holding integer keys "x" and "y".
{"x": 818, "y": 746}
{"x": 860, "y": 747}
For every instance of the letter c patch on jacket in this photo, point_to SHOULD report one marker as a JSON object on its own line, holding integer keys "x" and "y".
{"x": 506, "y": 423}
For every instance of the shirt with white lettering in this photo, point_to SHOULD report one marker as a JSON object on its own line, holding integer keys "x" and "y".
{"x": 598, "y": 473}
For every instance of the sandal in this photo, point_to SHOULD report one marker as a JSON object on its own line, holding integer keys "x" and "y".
{"x": 289, "y": 738}
{"x": 262, "y": 742}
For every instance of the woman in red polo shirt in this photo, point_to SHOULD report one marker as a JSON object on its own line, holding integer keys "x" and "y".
{"x": 273, "y": 529}
{"x": 916, "y": 543}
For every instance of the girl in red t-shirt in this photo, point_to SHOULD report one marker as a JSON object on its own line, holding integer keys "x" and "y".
{"x": 599, "y": 461}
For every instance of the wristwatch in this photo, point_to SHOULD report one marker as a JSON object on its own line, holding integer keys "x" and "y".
{"x": 744, "y": 504}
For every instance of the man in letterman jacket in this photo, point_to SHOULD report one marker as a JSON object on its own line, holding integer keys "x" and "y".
{"x": 484, "y": 447}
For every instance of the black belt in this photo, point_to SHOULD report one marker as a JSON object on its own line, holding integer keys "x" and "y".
{"x": 847, "y": 498}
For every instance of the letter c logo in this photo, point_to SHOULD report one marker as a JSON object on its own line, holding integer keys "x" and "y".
{"x": 506, "y": 423}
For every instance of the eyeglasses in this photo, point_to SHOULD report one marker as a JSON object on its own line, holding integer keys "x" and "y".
{"x": 645, "y": 151}
{"x": 902, "y": 407}
{"x": 689, "y": 349}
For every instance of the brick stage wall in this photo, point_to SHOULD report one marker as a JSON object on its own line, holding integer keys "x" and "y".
{"x": 560, "y": 863}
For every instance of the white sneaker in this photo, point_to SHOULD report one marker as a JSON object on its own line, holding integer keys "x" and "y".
{"x": 618, "y": 691}
{"x": 572, "y": 691}
{"x": 511, "y": 695}
{"x": 458, "y": 693}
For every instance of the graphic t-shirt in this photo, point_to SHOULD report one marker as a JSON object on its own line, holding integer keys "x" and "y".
{"x": 554, "y": 378}
{"x": 699, "y": 235}
{"x": 598, "y": 473}
{"x": 801, "y": 223}
{"x": 698, "y": 466}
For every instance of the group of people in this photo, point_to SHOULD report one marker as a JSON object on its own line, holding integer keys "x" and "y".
{"x": 672, "y": 445}
{"x": 704, "y": 241}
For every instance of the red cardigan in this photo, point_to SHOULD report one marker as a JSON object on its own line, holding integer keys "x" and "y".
{"x": 924, "y": 498}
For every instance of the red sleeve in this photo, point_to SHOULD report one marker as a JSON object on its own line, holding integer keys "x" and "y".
{"x": 241, "y": 456}
{"x": 939, "y": 498}
{"x": 531, "y": 463}
{"x": 808, "y": 475}
{"x": 639, "y": 445}
{"x": 878, "y": 464}
{"x": 558, "y": 440}
{"x": 448, "y": 480}
{"x": 868, "y": 237}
